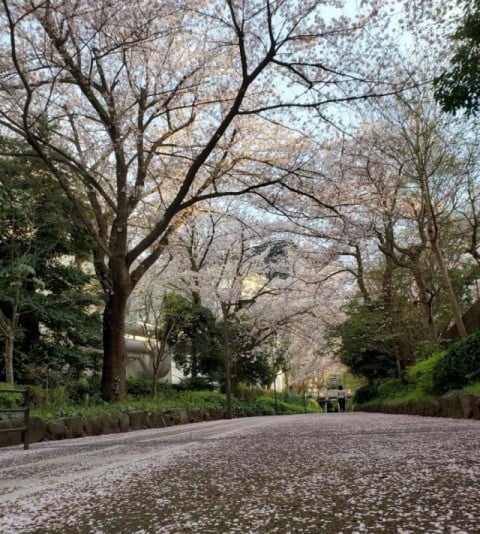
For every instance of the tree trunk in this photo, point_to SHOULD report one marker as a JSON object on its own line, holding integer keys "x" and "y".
{"x": 228, "y": 388}
{"x": 425, "y": 302}
{"x": 113, "y": 385}
{"x": 8, "y": 327}
{"x": 433, "y": 237}
{"x": 228, "y": 368}
{"x": 154, "y": 382}
{"x": 9, "y": 344}
{"x": 457, "y": 314}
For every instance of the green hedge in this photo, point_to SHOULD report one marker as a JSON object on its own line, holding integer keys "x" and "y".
{"x": 459, "y": 367}
{"x": 422, "y": 373}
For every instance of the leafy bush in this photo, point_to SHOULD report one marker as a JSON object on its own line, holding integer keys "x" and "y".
{"x": 266, "y": 405}
{"x": 365, "y": 394}
{"x": 197, "y": 383}
{"x": 249, "y": 394}
{"x": 49, "y": 398}
{"x": 139, "y": 386}
{"x": 86, "y": 390}
{"x": 392, "y": 388}
{"x": 421, "y": 374}
{"x": 9, "y": 400}
{"x": 473, "y": 389}
{"x": 459, "y": 367}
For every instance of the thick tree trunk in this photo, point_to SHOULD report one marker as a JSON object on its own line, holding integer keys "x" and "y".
{"x": 8, "y": 327}
{"x": 113, "y": 385}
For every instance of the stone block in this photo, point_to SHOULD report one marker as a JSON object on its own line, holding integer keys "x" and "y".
{"x": 467, "y": 402}
{"x": 75, "y": 426}
{"x": 56, "y": 429}
{"x": 93, "y": 426}
{"x": 156, "y": 420}
{"x": 124, "y": 422}
{"x": 451, "y": 405}
{"x": 183, "y": 417}
{"x": 111, "y": 424}
{"x": 37, "y": 430}
{"x": 138, "y": 420}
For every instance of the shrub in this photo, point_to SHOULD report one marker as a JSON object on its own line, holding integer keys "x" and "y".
{"x": 266, "y": 405}
{"x": 197, "y": 383}
{"x": 9, "y": 400}
{"x": 51, "y": 398}
{"x": 391, "y": 388}
{"x": 421, "y": 374}
{"x": 139, "y": 386}
{"x": 86, "y": 390}
{"x": 249, "y": 394}
{"x": 459, "y": 367}
{"x": 473, "y": 389}
{"x": 365, "y": 394}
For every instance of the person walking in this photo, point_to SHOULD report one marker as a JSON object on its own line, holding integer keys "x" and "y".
{"x": 341, "y": 397}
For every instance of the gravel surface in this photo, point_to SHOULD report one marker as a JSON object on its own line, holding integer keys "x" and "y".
{"x": 333, "y": 473}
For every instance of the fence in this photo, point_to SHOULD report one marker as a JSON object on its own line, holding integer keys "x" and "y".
{"x": 25, "y": 410}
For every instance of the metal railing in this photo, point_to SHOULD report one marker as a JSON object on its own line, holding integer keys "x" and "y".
{"x": 25, "y": 409}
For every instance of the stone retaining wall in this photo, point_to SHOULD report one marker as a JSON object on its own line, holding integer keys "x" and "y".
{"x": 79, "y": 426}
{"x": 456, "y": 404}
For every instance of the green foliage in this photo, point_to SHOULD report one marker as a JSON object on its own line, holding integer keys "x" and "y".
{"x": 267, "y": 404}
{"x": 473, "y": 389}
{"x": 459, "y": 367}
{"x": 54, "y": 297}
{"x": 55, "y": 404}
{"x": 459, "y": 88}
{"x": 249, "y": 394}
{"x": 139, "y": 386}
{"x": 86, "y": 390}
{"x": 251, "y": 363}
{"x": 9, "y": 400}
{"x": 392, "y": 389}
{"x": 49, "y": 398}
{"x": 194, "y": 340}
{"x": 61, "y": 397}
{"x": 389, "y": 391}
{"x": 421, "y": 374}
{"x": 366, "y": 346}
{"x": 197, "y": 383}
{"x": 365, "y": 394}
{"x": 443, "y": 371}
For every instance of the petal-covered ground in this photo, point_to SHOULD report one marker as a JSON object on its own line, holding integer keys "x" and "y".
{"x": 334, "y": 473}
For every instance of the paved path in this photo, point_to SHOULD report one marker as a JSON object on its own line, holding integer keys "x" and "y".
{"x": 333, "y": 473}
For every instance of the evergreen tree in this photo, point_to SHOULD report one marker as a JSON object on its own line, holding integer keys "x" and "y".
{"x": 459, "y": 87}
{"x": 55, "y": 301}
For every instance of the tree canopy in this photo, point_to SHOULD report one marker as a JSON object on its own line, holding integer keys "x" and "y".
{"x": 459, "y": 87}
{"x": 47, "y": 296}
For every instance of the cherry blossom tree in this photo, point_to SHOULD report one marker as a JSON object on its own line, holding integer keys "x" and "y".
{"x": 414, "y": 171}
{"x": 145, "y": 109}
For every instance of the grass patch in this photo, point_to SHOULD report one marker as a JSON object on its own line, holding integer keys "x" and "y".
{"x": 473, "y": 389}
{"x": 394, "y": 391}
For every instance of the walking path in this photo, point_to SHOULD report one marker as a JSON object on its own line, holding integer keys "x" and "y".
{"x": 322, "y": 474}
